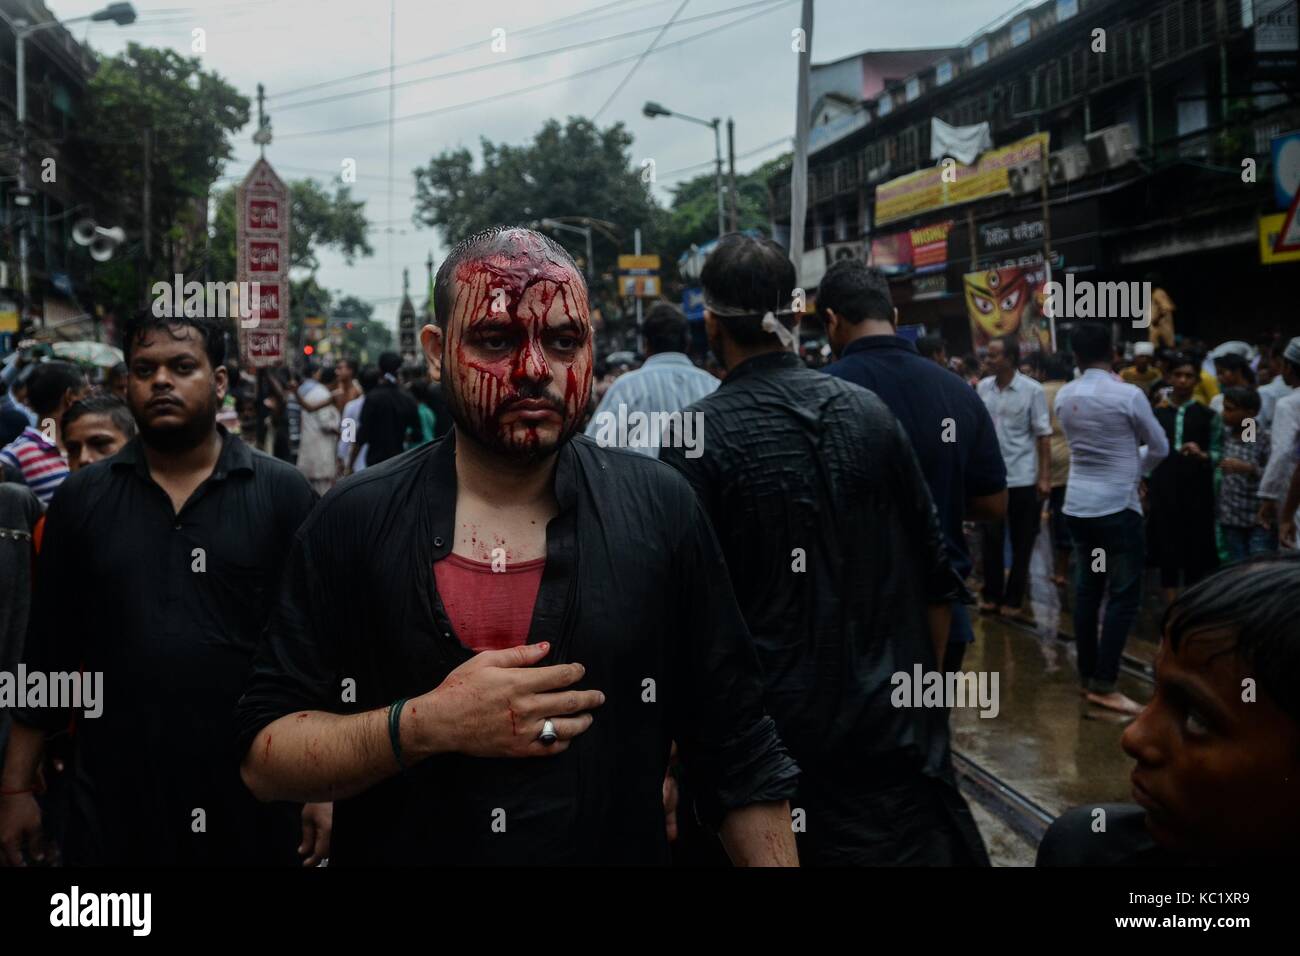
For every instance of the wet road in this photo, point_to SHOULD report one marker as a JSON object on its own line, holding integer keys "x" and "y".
{"x": 1046, "y": 741}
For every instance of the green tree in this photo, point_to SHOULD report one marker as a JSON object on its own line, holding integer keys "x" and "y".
{"x": 574, "y": 169}
{"x": 692, "y": 219}
{"x": 363, "y": 337}
{"x": 187, "y": 115}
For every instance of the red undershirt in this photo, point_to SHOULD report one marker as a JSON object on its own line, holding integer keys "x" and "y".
{"x": 489, "y": 610}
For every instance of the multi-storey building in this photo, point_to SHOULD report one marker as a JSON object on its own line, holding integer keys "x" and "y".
{"x": 1159, "y": 116}
{"x": 59, "y": 193}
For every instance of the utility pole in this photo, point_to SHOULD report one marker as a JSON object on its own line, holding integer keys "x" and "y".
{"x": 20, "y": 64}
{"x": 717, "y": 152}
{"x": 636, "y": 249}
{"x": 261, "y": 118}
{"x": 799, "y": 172}
{"x": 148, "y": 193}
{"x": 731, "y": 161}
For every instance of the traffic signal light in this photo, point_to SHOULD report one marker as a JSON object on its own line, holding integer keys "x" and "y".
{"x": 308, "y": 349}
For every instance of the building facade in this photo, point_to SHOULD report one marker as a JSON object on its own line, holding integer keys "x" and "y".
{"x": 58, "y": 70}
{"x": 1126, "y": 141}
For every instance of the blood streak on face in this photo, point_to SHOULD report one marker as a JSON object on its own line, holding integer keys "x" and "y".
{"x": 518, "y": 353}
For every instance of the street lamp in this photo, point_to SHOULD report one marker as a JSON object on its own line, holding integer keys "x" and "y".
{"x": 652, "y": 109}
{"x": 120, "y": 13}
{"x": 583, "y": 230}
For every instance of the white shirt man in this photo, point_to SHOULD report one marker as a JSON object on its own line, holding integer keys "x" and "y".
{"x": 1020, "y": 418}
{"x": 1114, "y": 440}
{"x": 1018, "y": 406}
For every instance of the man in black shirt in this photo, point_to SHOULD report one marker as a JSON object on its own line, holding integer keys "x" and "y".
{"x": 1217, "y": 778}
{"x": 388, "y": 416}
{"x": 951, "y": 430}
{"x": 840, "y": 568}
{"x": 155, "y": 577}
{"x": 518, "y": 539}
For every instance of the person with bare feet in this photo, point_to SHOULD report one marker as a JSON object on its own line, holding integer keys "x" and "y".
{"x": 487, "y": 646}
{"x": 1114, "y": 440}
{"x": 1217, "y": 779}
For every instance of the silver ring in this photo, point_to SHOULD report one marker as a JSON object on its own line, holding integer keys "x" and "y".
{"x": 548, "y": 735}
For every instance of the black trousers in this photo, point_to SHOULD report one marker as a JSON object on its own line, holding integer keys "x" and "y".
{"x": 1024, "y": 515}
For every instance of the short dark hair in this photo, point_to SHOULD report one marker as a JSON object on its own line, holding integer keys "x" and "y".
{"x": 1232, "y": 362}
{"x": 101, "y": 403}
{"x": 48, "y": 382}
{"x": 856, "y": 292}
{"x": 1058, "y": 367}
{"x": 117, "y": 371}
{"x": 478, "y": 246}
{"x": 211, "y": 329}
{"x": 1011, "y": 347}
{"x": 1179, "y": 359}
{"x": 743, "y": 272}
{"x": 665, "y": 328}
{"x": 928, "y": 345}
{"x": 389, "y": 363}
{"x": 1092, "y": 344}
{"x": 368, "y": 377}
{"x": 1243, "y": 397}
{"x": 1254, "y": 600}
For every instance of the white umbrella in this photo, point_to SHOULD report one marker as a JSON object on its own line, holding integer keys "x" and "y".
{"x": 89, "y": 353}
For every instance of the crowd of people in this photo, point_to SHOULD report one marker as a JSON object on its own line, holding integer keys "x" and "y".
{"x": 381, "y": 616}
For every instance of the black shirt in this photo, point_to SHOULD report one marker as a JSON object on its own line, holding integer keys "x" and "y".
{"x": 803, "y": 470}
{"x": 1074, "y": 839}
{"x": 387, "y": 415}
{"x": 932, "y": 404}
{"x": 169, "y": 607}
{"x": 634, "y": 588}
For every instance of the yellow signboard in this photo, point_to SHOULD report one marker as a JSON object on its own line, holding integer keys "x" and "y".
{"x": 929, "y": 189}
{"x": 1269, "y": 229}
{"x": 639, "y": 276}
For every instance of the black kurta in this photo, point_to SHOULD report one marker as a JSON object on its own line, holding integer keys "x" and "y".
{"x": 1181, "y": 530}
{"x": 121, "y": 590}
{"x": 634, "y": 588}
{"x": 835, "y": 548}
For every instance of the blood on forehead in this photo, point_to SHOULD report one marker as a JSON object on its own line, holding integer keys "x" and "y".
{"x": 524, "y": 281}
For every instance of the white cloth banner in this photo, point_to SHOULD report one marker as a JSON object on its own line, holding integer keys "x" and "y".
{"x": 962, "y": 143}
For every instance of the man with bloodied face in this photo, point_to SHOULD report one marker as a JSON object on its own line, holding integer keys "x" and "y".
{"x": 487, "y": 646}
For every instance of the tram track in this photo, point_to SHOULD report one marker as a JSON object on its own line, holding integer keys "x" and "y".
{"x": 1025, "y": 817}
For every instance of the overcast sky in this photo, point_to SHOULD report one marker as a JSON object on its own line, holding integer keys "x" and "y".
{"x": 742, "y": 68}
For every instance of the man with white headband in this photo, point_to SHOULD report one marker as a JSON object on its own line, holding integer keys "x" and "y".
{"x": 839, "y": 566}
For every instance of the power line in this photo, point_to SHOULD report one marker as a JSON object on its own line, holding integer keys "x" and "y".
{"x": 463, "y": 71}
{"x": 635, "y": 66}
{"x": 536, "y": 86}
{"x": 709, "y": 162}
{"x": 465, "y": 48}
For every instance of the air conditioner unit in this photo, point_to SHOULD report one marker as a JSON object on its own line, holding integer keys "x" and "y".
{"x": 1067, "y": 165}
{"x": 1112, "y": 147}
{"x": 1026, "y": 178}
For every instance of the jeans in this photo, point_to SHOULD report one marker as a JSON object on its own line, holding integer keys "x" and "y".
{"x": 1115, "y": 545}
{"x": 1024, "y": 514}
{"x": 1241, "y": 543}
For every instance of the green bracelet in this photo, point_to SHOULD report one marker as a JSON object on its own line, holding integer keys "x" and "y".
{"x": 394, "y": 729}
